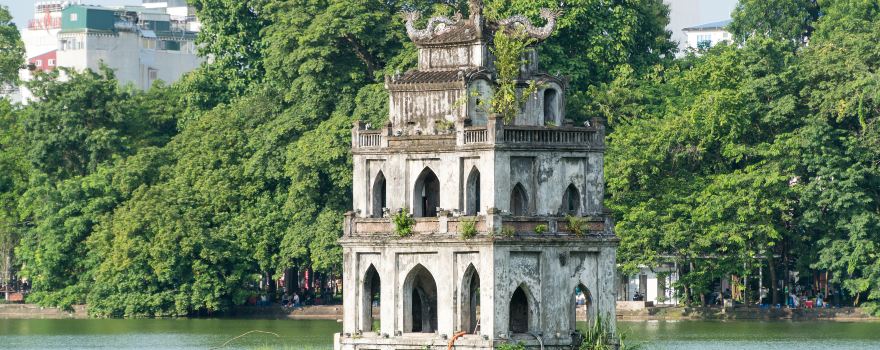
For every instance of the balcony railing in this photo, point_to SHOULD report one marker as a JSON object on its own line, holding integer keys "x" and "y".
{"x": 589, "y": 137}
{"x": 475, "y": 135}
{"x": 368, "y": 139}
{"x": 518, "y": 135}
{"x": 452, "y": 226}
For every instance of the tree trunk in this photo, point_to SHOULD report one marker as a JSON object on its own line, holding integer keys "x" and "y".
{"x": 294, "y": 282}
{"x": 771, "y": 268}
{"x": 273, "y": 286}
{"x": 685, "y": 287}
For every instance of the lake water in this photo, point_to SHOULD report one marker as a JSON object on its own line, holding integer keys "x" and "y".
{"x": 297, "y": 334}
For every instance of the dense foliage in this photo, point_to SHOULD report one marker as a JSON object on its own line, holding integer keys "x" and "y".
{"x": 760, "y": 154}
{"x": 11, "y": 49}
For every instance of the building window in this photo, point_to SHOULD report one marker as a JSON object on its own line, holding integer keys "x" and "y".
{"x": 152, "y": 74}
{"x": 419, "y": 301}
{"x": 472, "y": 197}
{"x": 371, "y": 297}
{"x": 51, "y": 63}
{"x": 550, "y": 105}
{"x": 519, "y": 312}
{"x": 519, "y": 201}
{"x": 38, "y": 63}
{"x": 73, "y": 17}
{"x": 571, "y": 200}
{"x": 379, "y": 195}
{"x": 470, "y": 300}
{"x": 704, "y": 41}
{"x": 427, "y": 194}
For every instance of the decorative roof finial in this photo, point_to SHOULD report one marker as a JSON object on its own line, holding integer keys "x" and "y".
{"x": 475, "y": 8}
{"x": 525, "y": 24}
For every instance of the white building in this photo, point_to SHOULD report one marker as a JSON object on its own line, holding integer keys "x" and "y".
{"x": 707, "y": 35}
{"x": 654, "y": 285}
{"x": 142, "y": 44}
{"x": 688, "y": 13}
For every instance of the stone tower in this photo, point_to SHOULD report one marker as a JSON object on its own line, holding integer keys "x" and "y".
{"x": 528, "y": 194}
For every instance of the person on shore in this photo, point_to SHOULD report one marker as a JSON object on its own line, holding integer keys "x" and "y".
{"x": 296, "y": 301}
{"x": 285, "y": 300}
{"x": 794, "y": 300}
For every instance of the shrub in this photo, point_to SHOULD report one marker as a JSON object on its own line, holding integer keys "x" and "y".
{"x": 403, "y": 223}
{"x": 507, "y": 231}
{"x": 509, "y": 346}
{"x": 576, "y": 224}
{"x": 443, "y": 125}
{"x": 540, "y": 229}
{"x": 598, "y": 336}
{"x": 467, "y": 228}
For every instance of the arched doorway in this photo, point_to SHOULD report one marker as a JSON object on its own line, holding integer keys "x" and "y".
{"x": 581, "y": 305}
{"x": 370, "y": 298}
{"x": 472, "y": 197}
{"x": 426, "y": 195}
{"x": 380, "y": 195}
{"x": 519, "y": 311}
{"x": 519, "y": 201}
{"x": 551, "y": 101}
{"x": 470, "y": 300}
{"x": 419, "y": 301}
{"x": 571, "y": 200}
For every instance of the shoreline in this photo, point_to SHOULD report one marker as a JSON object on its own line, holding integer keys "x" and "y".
{"x": 334, "y": 312}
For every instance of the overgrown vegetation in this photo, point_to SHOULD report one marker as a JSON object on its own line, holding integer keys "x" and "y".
{"x": 507, "y": 231}
{"x": 467, "y": 228}
{"x": 511, "y": 346}
{"x": 509, "y": 50}
{"x": 403, "y": 223}
{"x": 599, "y": 336}
{"x": 576, "y": 224}
{"x": 540, "y": 229}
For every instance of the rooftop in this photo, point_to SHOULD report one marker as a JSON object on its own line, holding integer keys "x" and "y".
{"x": 709, "y": 26}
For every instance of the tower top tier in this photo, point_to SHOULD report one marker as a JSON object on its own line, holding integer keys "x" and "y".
{"x": 456, "y": 78}
{"x": 468, "y": 35}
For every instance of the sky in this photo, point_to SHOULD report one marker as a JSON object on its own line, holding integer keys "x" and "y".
{"x": 23, "y": 10}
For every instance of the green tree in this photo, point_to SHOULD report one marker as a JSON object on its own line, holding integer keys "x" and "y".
{"x": 701, "y": 176}
{"x": 778, "y": 19}
{"x": 11, "y": 49}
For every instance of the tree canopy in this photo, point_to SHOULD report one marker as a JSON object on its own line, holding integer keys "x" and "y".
{"x": 11, "y": 49}
{"x": 761, "y": 153}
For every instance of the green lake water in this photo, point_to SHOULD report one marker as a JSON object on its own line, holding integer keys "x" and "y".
{"x": 297, "y": 334}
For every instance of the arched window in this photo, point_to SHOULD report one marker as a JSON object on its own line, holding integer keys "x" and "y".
{"x": 551, "y": 101}
{"x": 426, "y": 197}
{"x": 470, "y": 300}
{"x": 419, "y": 301}
{"x": 519, "y": 201}
{"x": 571, "y": 200}
{"x": 380, "y": 195}
{"x": 472, "y": 198}
{"x": 581, "y": 305}
{"x": 370, "y": 298}
{"x": 519, "y": 312}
